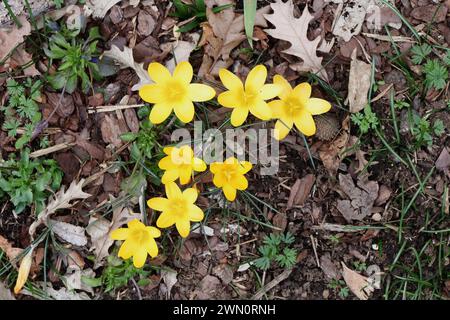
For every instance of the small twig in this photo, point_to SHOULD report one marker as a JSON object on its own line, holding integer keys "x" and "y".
{"x": 138, "y": 291}
{"x": 113, "y": 108}
{"x": 313, "y": 241}
{"x": 281, "y": 277}
{"x": 55, "y": 148}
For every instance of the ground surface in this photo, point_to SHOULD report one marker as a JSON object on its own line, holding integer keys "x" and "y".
{"x": 376, "y": 201}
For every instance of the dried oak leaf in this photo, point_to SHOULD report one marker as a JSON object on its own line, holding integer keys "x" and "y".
{"x": 357, "y": 283}
{"x": 126, "y": 60}
{"x": 99, "y": 8}
{"x": 294, "y": 30}
{"x": 68, "y": 232}
{"x": 358, "y": 84}
{"x": 10, "y": 38}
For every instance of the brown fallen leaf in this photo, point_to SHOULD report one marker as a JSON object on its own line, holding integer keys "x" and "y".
{"x": 5, "y": 293}
{"x": 443, "y": 161}
{"x": 350, "y": 18}
{"x": 294, "y": 30}
{"x": 111, "y": 131}
{"x": 21, "y": 58}
{"x": 361, "y": 198}
{"x": 300, "y": 190}
{"x": 10, "y": 251}
{"x": 98, "y": 8}
{"x": 358, "y": 284}
{"x": 280, "y": 221}
{"x": 68, "y": 232}
{"x": 11, "y": 37}
{"x": 358, "y": 84}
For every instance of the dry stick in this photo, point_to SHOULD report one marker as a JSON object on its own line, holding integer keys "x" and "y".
{"x": 55, "y": 148}
{"x": 313, "y": 241}
{"x": 281, "y": 277}
{"x": 113, "y": 108}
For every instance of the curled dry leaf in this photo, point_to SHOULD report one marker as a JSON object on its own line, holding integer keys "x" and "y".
{"x": 300, "y": 190}
{"x": 294, "y": 30}
{"x": 68, "y": 232}
{"x": 358, "y": 84}
{"x": 126, "y": 60}
{"x": 170, "y": 278}
{"x": 357, "y": 283}
{"x": 24, "y": 271}
{"x": 182, "y": 51}
{"x": 10, "y": 38}
{"x": 99, "y": 8}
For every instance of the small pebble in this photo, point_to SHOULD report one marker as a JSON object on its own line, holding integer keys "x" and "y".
{"x": 377, "y": 217}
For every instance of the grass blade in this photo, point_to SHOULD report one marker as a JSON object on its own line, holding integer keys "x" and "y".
{"x": 249, "y": 19}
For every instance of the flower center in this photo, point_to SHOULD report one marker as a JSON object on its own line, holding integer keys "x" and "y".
{"x": 294, "y": 106}
{"x": 175, "y": 90}
{"x": 229, "y": 173}
{"x": 249, "y": 96}
{"x": 140, "y": 236}
{"x": 178, "y": 207}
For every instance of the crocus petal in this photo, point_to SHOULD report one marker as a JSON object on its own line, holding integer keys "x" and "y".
{"x": 230, "y": 80}
{"x": 229, "y": 192}
{"x": 154, "y": 232}
{"x": 219, "y": 179}
{"x": 190, "y": 195}
{"x": 261, "y": 110}
{"x": 305, "y": 123}
{"x": 183, "y": 227}
{"x": 277, "y": 107}
{"x": 160, "y": 112}
{"x": 183, "y": 72}
{"x": 198, "y": 165}
{"x": 238, "y": 116}
{"x": 215, "y": 167}
{"x": 152, "y": 248}
{"x": 120, "y": 234}
{"x": 151, "y": 93}
{"x": 158, "y": 72}
{"x": 317, "y": 106}
{"x": 168, "y": 150}
{"x": 185, "y": 111}
{"x": 244, "y": 167}
{"x": 303, "y": 91}
{"x": 286, "y": 86}
{"x": 239, "y": 182}
{"x": 201, "y": 92}
{"x": 282, "y": 128}
{"x": 170, "y": 176}
{"x": 256, "y": 78}
{"x": 139, "y": 257}
{"x": 126, "y": 249}
{"x": 195, "y": 213}
{"x": 172, "y": 190}
{"x": 165, "y": 220}
{"x": 231, "y": 98}
{"x": 159, "y": 204}
{"x": 166, "y": 163}
{"x": 185, "y": 175}
{"x": 135, "y": 224}
{"x": 269, "y": 91}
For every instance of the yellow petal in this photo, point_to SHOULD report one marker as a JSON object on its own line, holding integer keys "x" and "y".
{"x": 244, "y": 167}
{"x": 201, "y": 92}
{"x": 230, "y": 80}
{"x": 303, "y": 91}
{"x": 215, "y": 167}
{"x": 120, "y": 234}
{"x": 24, "y": 271}
{"x": 185, "y": 175}
{"x": 183, "y": 72}
{"x": 158, "y": 72}
{"x": 165, "y": 220}
{"x": 172, "y": 190}
{"x": 195, "y": 213}
{"x": 154, "y": 232}
{"x": 238, "y": 116}
{"x": 261, "y": 110}
{"x": 152, "y": 248}
{"x": 158, "y": 203}
{"x": 317, "y": 106}
{"x": 151, "y": 93}
{"x": 277, "y": 107}
{"x": 286, "y": 86}
{"x": 190, "y": 195}
{"x": 135, "y": 224}
{"x": 166, "y": 163}
{"x": 160, "y": 112}
{"x": 219, "y": 179}
{"x": 185, "y": 111}
{"x": 229, "y": 192}
{"x": 305, "y": 123}
{"x": 168, "y": 150}
{"x": 170, "y": 176}
{"x": 126, "y": 250}
{"x": 183, "y": 227}
{"x": 198, "y": 165}
{"x": 139, "y": 257}
{"x": 269, "y": 91}
{"x": 231, "y": 98}
{"x": 239, "y": 182}
{"x": 256, "y": 78}
{"x": 282, "y": 128}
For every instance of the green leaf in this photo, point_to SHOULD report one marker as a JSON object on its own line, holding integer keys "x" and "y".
{"x": 249, "y": 19}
